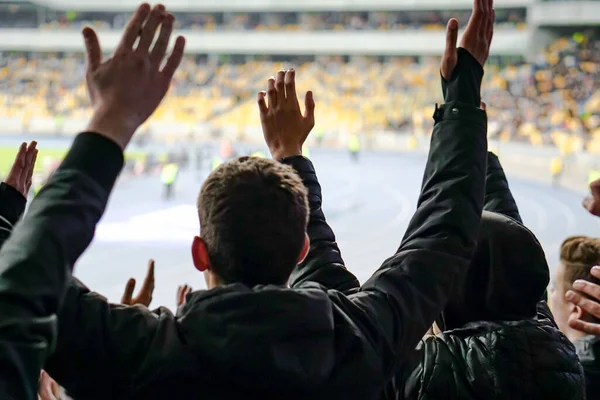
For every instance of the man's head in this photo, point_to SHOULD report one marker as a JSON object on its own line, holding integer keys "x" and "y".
{"x": 578, "y": 255}
{"x": 253, "y": 217}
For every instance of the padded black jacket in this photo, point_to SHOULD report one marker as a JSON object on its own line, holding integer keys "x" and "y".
{"x": 499, "y": 340}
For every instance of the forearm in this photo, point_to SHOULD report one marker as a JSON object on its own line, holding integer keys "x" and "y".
{"x": 324, "y": 263}
{"x": 498, "y": 197}
{"x": 37, "y": 260}
{"x": 441, "y": 237}
{"x": 40, "y": 254}
{"x": 411, "y": 288}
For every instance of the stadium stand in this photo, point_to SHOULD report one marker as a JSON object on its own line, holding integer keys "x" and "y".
{"x": 552, "y": 99}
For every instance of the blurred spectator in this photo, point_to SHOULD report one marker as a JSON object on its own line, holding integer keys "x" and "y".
{"x": 577, "y": 257}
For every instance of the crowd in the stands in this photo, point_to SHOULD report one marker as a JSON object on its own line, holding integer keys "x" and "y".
{"x": 461, "y": 310}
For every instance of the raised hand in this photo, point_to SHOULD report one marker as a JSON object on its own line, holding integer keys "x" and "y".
{"x": 476, "y": 38}
{"x": 128, "y": 87}
{"x": 144, "y": 297}
{"x": 591, "y": 303}
{"x": 284, "y": 127}
{"x": 21, "y": 173}
{"x": 592, "y": 203}
{"x": 182, "y": 292}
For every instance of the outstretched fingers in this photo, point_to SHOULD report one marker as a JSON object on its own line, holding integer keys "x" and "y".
{"x": 127, "y": 298}
{"x": 262, "y": 104}
{"x": 272, "y": 92}
{"x": 148, "y": 285}
{"x": 133, "y": 28}
{"x": 290, "y": 87}
{"x": 583, "y": 326}
{"x": 93, "y": 52}
{"x": 591, "y": 306}
{"x": 162, "y": 43}
{"x": 280, "y": 88}
{"x": 30, "y": 160}
{"x": 149, "y": 31}
{"x": 175, "y": 58}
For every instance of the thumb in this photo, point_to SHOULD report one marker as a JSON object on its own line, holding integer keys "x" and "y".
{"x": 128, "y": 295}
{"x": 309, "y": 108}
{"x": 450, "y": 56}
{"x": 93, "y": 52}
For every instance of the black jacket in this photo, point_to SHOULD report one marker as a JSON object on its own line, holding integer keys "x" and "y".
{"x": 12, "y": 207}
{"x": 499, "y": 340}
{"x": 588, "y": 350}
{"x": 306, "y": 341}
{"x": 37, "y": 260}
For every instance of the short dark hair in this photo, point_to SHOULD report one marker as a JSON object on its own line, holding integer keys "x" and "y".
{"x": 579, "y": 254}
{"x": 253, "y": 217}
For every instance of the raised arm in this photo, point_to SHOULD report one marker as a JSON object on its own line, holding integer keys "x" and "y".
{"x": 324, "y": 263}
{"x": 404, "y": 297}
{"x": 37, "y": 261}
{"x": 498, "y": 197}
{"x": 285, "y": 130}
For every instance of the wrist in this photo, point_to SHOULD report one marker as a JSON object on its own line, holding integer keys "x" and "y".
{"x": 278, "y": 154}
{"x": 113, "y": 125}
{"x": 465, "y": 83}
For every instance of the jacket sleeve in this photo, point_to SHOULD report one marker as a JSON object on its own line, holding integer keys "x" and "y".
{"x": 101, "y": 346}
{"x": 323, "y": 264}
{"x": 498, "y": 197}
{"x": 37, "y": 260}
{"x": 12, "y": 208}
{"x": 404, "y": 297}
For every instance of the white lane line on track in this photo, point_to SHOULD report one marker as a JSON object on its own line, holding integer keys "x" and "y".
{"x": 541, "y": 216}
{"x": 374, "y": 243}
{"x": 566, "y": 211}
{"x": 345, "y": 199}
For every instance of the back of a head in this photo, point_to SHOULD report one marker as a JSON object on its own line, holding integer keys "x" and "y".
{"x": 253, "y": 216}
{"x": 506, "y": 279}
{"x": 579, "y": 254}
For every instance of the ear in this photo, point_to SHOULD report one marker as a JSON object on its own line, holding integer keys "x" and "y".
{"x": 200, "y": 254}
{"x": 305, "y": 249}
{"x": 579, "y": 313}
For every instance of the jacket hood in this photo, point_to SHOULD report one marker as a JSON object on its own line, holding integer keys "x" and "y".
{"x": 268, "y": 337}
{"x": 506, "y": 278}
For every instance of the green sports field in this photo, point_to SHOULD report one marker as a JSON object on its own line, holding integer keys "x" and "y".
{"x": 45, "y": 157}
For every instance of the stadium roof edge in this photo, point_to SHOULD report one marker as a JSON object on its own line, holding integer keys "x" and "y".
{"x": 274, "y": 5}
{"x": 406, "y": 42}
